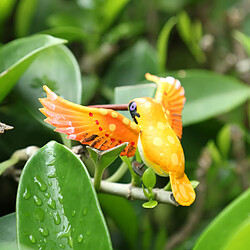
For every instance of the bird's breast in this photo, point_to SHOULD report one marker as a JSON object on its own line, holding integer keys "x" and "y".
{"x": 161, "y": 150}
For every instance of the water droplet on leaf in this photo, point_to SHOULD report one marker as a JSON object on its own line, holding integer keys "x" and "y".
{"x": 40, "y": 183}
{"x": 26, "y": 193}
{"x": 44, "y": 231}
{"x": 57, "y": 218}
{"x": 80, "y": 238}
{"x": 51, "y": 203}
{"x": 73, "y": 213}
{"x": 32, "y": 238}
{"x": 37, "y": 200}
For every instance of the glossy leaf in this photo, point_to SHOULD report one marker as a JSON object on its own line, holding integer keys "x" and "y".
{"x": 230, "y": 228}
{"x": 149, "y": 178}
{"x": 57, "y": 205}
{"x": 8, "y": 232}
{"x": 57, "y": 68}
{"x": 123, "y": 215}
{"x": 162, "y": 43}
{"x": 150, "y": 204}
{"x": 16, "y": 57}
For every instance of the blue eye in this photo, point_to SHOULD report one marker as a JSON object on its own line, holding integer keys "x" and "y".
{"x": 132, "y": 106}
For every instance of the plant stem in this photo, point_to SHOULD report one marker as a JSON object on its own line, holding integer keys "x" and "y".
{"x": 98, "y": 177}
{"x": 136, "y": 193}
{"x": 167, "y": 187}
{"x": 119, "y": 173}
{"x": 135, "y": 178}
{"x": 6, "y": 164}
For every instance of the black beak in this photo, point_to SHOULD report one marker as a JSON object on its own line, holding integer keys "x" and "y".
{"x": 134, "y": 114}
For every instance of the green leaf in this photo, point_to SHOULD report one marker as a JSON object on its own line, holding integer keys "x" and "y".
{"x": 230, "y": 228}
{"x": 57, "y": 205}
{"x": 69, "y": 33}
{"x": 149, "y": 178}
{"x": 18, "y": 55}
{"x": 122, "y": 213}
{"x": 224, "y": 140}
{"x": 162, "y": 43}
{"x": 131, "y": 66}
{"x": 150, "y": 204}
{"x": 25, "y": 12}
{"x": 55, "y": 67}
{"x": 194, "y": 183}
{"x": 90, "y": 84}
{"x": 111, "y": 9}
{"x": 105, "y": 157}
{"x": 6, "y": 7}
{"x": 8, "y": 232}
{"x": 209, "y": 94}
{"x": 243, "y": 39}
{"x": 213, "y": 150}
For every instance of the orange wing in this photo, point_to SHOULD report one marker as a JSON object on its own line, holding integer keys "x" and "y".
{"x": 99, "y": 128}
{"x": 171, "y": 95}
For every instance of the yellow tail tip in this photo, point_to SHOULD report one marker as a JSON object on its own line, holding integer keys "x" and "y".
{"x": 182, "y": 189}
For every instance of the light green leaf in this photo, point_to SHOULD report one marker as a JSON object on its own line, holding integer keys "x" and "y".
{"x": 209, "y": 94}
{"x": 230, "y": 228}
{"x": 25, "y": 12}
{"x": 150, "y": 204}
{"x": 162, "y": 43}
{"x": 111, "y": 9}
{"x": 104, "y": 158}
{"x": 6, "y": 6}
{"x": 122, "y": 213}
{"x": 16, "y": 57}
{"x": 55, "y": 67}
{"x": 213, "y": 150}
{"x": 8, "y": 232}
{"x": 57, "y": 205}
{"x": 243, "y": 39}
{"x": 69, "y": 33}
{"x": 224, "y": 140}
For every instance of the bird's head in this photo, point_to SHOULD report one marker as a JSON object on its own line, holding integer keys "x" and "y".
{"x": 143, "y": 108}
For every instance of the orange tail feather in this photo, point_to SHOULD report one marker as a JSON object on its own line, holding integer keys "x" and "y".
{"x": 182, "y": 189}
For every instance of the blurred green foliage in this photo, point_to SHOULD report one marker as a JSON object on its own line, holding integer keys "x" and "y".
{"x": 112, "y": 44}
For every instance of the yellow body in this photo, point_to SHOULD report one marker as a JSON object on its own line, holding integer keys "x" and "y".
{"x": 160, "y": 148}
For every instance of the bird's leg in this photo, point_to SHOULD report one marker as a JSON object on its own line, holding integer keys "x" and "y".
{"x": 138, "y": 167}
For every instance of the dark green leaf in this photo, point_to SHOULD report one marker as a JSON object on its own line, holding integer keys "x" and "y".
{"x": 57, "y": 205}
{"x": 122, "y": 213}
{"x": 131, "y": 66}
{"x": 231, "y": 228}
{"x": 8, "y": 232}
{"x": 16, "y": 57}
{"x": 57, "y": 68}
